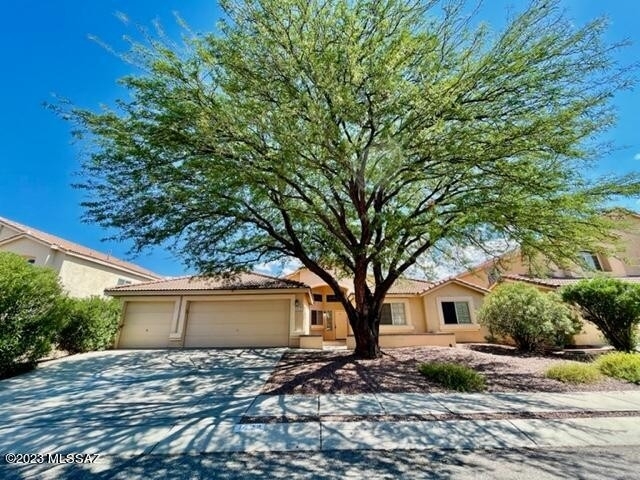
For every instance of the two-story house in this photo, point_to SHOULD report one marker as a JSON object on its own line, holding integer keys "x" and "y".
{"x": 83, "y": 272}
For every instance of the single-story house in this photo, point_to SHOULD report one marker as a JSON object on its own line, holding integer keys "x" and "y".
{"x": 298, "y": 310}
{"x": 83, "y": 272}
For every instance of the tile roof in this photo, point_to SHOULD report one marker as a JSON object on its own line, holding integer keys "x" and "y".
{"x": 560, "y": 282}
{"x": 458, "y": 281}
{"x": 244, "y": 281}
{"x": 418, "y": 287}
{"x": 409, "y": 286}
{"x": 74, "y": 248}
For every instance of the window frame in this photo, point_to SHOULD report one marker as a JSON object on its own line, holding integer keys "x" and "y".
{"x": 457, "y": 326}
{"x": 316, "y": 325}
{"x": 589, "y": 257}
{"x": 392, "y": 324}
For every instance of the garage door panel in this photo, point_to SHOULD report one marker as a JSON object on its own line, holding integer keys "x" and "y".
{"x": 146, "y": 325}
{"x": 253, "y": 323}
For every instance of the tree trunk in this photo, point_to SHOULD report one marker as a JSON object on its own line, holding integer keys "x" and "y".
{"x": 366, "y": 332}
{"x": 365, "y": 318}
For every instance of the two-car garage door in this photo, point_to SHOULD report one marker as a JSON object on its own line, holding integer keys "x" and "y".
{"x": 263, "y": 323}
{"x": 223, "y": 323}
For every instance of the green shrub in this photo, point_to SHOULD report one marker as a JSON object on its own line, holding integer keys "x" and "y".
{"x": 453, "y": 376}
{"x": 31, "y": 313}
{"x": 92, "y": 324}
{"x": 531, "y": 318}
{"x": 625, "y": 366}
{"x": 611, "y": 305}
{"x": 574, "y": 373}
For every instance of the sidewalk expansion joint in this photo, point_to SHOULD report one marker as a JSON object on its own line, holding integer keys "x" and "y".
{"x": 435, "y": 417}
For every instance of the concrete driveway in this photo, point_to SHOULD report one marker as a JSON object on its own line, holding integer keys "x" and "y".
{"x": 133, "y": 402}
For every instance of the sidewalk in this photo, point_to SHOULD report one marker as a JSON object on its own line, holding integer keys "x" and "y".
{"x": 247, "y": 423}
{"x": 308, "y": 423}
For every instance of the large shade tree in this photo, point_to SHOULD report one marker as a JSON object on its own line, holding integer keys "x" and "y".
{"x": 357, "y": 136}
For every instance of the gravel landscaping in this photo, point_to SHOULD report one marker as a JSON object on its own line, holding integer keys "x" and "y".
{"x": 314, "y": 372}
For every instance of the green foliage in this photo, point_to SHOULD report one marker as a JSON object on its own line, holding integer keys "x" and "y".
{"x": 622, "y": 365}
{"x": 611, "y": 305}
{"x": 453, "y": 376}
{"x": 357, "y": 137}
{"x": 574, "y": 373}
{"x": 531, "y": 318}
{"x": 92, "y": 324}
{"x": 31, "y": 313}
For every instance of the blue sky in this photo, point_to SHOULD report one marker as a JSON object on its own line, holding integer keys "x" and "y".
{"x": 46, "y": 50}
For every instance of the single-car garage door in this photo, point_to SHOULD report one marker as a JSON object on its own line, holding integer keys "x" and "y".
{"x": 255, "y": 323}
{"x": 146, "y": 325}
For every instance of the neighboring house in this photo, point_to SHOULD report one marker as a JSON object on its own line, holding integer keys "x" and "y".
{"x": 82, "y": 271}
{"x": 623, "y": 264}
{"x": 297, "y": 311}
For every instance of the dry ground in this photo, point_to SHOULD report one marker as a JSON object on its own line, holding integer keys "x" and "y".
{"x": 306, "y": 372}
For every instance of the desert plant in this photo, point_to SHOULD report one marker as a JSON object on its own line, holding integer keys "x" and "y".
{"x": 31, "y": 313}
{"x": 612, "y": 305}
{"x": 574, "y": 373}
{"x": 92, "y": 324}
{"x": 622, "y": 365}
{"x": 531, "y": 318}
{"x": 453, "y": 376}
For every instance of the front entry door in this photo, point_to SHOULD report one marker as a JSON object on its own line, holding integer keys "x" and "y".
{"x": 329, "y": 326}
{"x": 341, "y": 324}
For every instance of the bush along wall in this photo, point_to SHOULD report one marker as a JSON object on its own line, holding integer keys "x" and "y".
{"x": 92, "y": 324}
{"x": 32, "y": 313}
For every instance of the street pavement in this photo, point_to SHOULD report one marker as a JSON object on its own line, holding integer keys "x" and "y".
{"x": 131, "y": 407}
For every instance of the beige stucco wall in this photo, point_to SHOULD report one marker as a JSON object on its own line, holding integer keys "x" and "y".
{"x": 302, "y": 318}
{"x": 511, "y": 263}
{"x": 627, "y": 260}
{"x": 399, "y": 340}
{"x": 435, "y": 323}
{"x": 310, "y": 341}
{"x": 82, "y": 278}
{"x": 590, "y": 335}
{"x": 309, "y": 278}
{"x": 414, "y": 312}
{"x": 6, "y": 231}
{"x": 43, "y": 255}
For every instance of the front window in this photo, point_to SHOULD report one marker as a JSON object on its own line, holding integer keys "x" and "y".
{"x": 591, "y": 260}
{"x": 320, "y": 317}
{"x": 393, "y": 314}
{"x": 456, "y": 313}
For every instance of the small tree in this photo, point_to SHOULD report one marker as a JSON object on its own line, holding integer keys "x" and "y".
{"x": 530, "y": 317}
{"x": 31, "y": 312}
{"x": 611, "y": 305}
{"x": 92, "y": 324}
